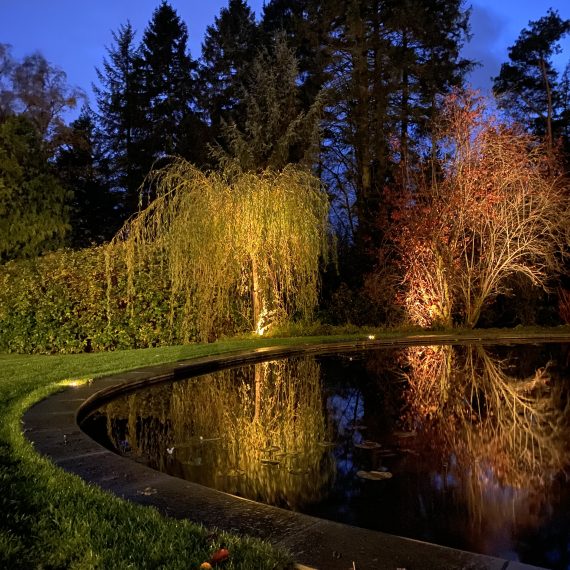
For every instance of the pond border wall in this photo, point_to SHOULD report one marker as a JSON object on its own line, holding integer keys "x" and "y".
{"x": 52, "y": 426}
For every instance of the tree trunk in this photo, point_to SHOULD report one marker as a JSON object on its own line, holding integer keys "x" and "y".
{"x": 549, "y": 135}
{"x": 256, "y": 300}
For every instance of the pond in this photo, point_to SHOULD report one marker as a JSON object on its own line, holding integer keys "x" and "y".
{"x": 464, "y": 446}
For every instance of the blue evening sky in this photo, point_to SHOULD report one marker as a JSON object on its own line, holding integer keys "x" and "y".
{"x": 72, "y": 34}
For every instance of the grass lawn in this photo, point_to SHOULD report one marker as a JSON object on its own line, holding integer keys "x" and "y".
{"x": 52, "y": 519}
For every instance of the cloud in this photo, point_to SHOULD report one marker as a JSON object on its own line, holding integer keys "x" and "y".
{"x": 486, "y": 46}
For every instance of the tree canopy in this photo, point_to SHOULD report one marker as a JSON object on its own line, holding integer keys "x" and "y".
{"x": 34, "y": 212}
{"x": 528, "y": 85}
{"x": 240, "y": 248}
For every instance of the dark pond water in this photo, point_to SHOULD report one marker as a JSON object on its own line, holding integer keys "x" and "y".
{"x": 464, "y": 446}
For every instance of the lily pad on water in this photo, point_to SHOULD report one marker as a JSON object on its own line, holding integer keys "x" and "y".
{"x": 374, "y": 475}
{"x": 270, "y": 462}
{"x": 231, "y": 473}
{"x": 405, "y": 434}
{"x": 356, "y": 427}
{"x": 387, "y": 453}
{"x": 298, "y": 471}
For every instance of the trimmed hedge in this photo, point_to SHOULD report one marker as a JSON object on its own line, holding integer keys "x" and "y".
{"x": 61, "y": 302}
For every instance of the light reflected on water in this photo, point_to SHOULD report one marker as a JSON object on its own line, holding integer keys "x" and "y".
{"x": 257, "y": 432}
{"x": 499, "y": 430}
{"x": 465, "y": 446}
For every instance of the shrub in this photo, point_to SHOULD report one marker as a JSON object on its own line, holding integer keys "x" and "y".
{"x": 60, "y": 302}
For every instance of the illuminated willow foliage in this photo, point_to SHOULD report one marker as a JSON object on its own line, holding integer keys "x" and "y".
{"x": 237, "y": 252}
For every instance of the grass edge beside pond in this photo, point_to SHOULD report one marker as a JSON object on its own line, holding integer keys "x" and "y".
{"x": 52, "y": 519}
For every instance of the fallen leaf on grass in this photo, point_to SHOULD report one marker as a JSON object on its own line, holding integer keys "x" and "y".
{"x": 219, "y": 556}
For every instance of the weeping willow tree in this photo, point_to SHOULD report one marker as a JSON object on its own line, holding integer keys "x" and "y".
{"x": 238, "y": 251}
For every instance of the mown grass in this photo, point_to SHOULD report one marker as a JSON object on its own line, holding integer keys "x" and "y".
{"x": 52, "y": 519}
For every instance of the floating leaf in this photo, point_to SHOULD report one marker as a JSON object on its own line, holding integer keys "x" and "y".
{"x": 368, "y": 445}
{"x": 374, "y": 475}
{"x": 270, "y": 462}
{"x": 147, "y": 491}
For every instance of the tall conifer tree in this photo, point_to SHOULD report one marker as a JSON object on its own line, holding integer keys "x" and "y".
{"x": 119, "y": 97}
{"x": 277, "y": 131}
{"x": 528, "y": 85}
{"x": 82, "y": 168}
{"x": 229, "y": 48}
{"x": 169, "y": 95}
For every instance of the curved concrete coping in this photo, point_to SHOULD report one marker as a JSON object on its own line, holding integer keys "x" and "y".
{"x": 52, "y": 426}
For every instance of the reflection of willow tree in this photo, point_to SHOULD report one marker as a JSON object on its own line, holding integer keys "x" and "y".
{"x": 257, "y": 431}
{"x": 236, "y": 251}
{"x": 502, "y": 430}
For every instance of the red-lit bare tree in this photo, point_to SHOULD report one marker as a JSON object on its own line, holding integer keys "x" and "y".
{"x": 497, "y": 212}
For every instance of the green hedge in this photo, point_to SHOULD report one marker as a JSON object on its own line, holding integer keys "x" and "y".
{"x": 61, "y": 302}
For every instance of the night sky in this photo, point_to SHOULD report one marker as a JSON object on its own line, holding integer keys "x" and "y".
{"x": 73, "y": 34}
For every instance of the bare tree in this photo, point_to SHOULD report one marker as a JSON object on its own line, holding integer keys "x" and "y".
{"x": 497, "y": 213}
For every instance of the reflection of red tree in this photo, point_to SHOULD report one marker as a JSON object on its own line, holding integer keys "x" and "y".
{"x": 507, "y": 435}
{"x": 429, "y": 381}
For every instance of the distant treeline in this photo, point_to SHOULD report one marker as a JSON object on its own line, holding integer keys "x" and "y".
{"x": 356, "y": 91}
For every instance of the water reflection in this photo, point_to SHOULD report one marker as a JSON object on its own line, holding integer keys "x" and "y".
{"x": 498, "y": 430}
{"x": 258, "y": 431}
{"x": 465, "y": 446}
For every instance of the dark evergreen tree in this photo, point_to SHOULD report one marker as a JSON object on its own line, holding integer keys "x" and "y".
{"x": 277, "y": 131}
{"x": 382, "y": 64}
{"x": 426, "y": 37}
{"x": 390, "y": 60}
{"x": 82, "y": 168}
{"x": 169, "y": 95}
{"x": 34, "y": 211}
{"x": 229, "y": 48}
{"x": 528, "y": 85}
{"x": 120, "y": 118}
{"x": 307, "y": 25}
